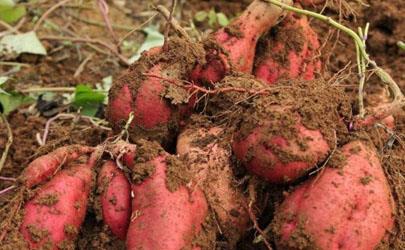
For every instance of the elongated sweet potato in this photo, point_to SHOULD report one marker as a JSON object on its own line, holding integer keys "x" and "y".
{"x": 165, "y": 215}
{"x": 208, "y": 156}
{"x": 148, "y": 91}
{"x": 349, "y": 207}
{"x": 289, "y": 53}
{"x": 233, "y": 47}
{"x": 115, "y": 198}
{"x": 44, "y": 167}
{"x": 52, "y": 218}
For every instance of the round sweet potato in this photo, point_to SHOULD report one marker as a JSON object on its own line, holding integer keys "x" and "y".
{"x": 348, "y": 207}
{"x": 149, "y": 90}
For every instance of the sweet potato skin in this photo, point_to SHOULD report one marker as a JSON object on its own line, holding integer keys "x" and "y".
{"x": 211, "y": 168}
{"x": 343, "y": 208}
{"x": 256, "y": 153}
{"x": 162, "y": 219}
{"x": 238, "y": 42}
{"x": 54, "y": 215}
{"x": 43, "y": 168}
{"x": 115, "y": 198}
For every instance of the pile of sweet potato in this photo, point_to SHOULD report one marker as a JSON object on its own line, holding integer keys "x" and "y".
{"x": 207, "y": 118}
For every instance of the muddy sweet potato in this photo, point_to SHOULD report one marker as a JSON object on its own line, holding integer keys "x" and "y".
{"x": 147, "y": 90}
{"x": 208, "y": 155}
{"x": 166, "y": 214}
{"x": 278, "y": 159}
{"x": 233, "y": 47}
{"x": 290, "y": 52}
{"x": 52, "y": 218}
{"x": 348, "y": 207}
{"x": 287, "y": 132}
{"x": 115, "y": 198}
{"x": 44, "y": 167}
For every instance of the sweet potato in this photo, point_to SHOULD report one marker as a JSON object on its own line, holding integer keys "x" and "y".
{"x": 208, "y": 156}
{"x": 44, "y": 167}
{"x": 278, "y": 159}
{"x": 233, "y": 47}
{"x": 115, "y": 192}
{"x": 52, "y": 218}
{"x": 349, "y": 207}
{"x": 165, "y": 215}
{"x": 285, "y": 133}
{"x": 147, "y": 90}
{"x": 290, "y": 53}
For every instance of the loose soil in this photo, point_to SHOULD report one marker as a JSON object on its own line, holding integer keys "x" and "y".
{"x": 387, "y": 27}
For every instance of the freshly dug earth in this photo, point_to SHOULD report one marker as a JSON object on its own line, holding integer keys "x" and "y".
{"x": 387, "y": 27}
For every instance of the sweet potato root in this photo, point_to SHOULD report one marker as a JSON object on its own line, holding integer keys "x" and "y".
{"x": 44, "y": 167}
{"x": 349, "y": 207}
{"x": 52, "y": 218}
{"x": 290, "y": 53}
{"x": 208, "y": 156}
{"x": 115, "y": 192}
{"x": 165, "y": 215}
{"x": 233, "y": 47}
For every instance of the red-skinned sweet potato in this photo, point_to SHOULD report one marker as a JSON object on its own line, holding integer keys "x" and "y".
{"x": 147, "y": 90}
{"x": 115, "y": 198}
{"x": 237, "y": 42}
{"x": 290, "y": 53}
{"x": 285, "y": 133}
{"x": 278, "y": 159}
{"x": 349, "y": 207}
{"x": 208, "y": 156}
{"x": 52, "y": 218}
{"x": 163, "y": 217}
{"x": 44, "y": 167}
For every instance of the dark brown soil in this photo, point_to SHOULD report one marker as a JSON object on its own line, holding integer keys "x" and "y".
{"x": 387, "y": 27}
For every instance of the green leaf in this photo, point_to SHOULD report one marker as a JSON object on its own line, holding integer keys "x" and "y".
{"x": 200, "y": 16}
{"x": 87, "y": 99}
{"x": 13, "y": 45}
{"x": 222, "y": 19}
{"x": 153, "y": 39}
{"x": 212, "y": 18}
{"x": 13, "y": 100}
{"x": 12, "y": 14}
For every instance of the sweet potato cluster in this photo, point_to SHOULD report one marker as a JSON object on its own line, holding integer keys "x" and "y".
{"x": 207, "y": 117}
